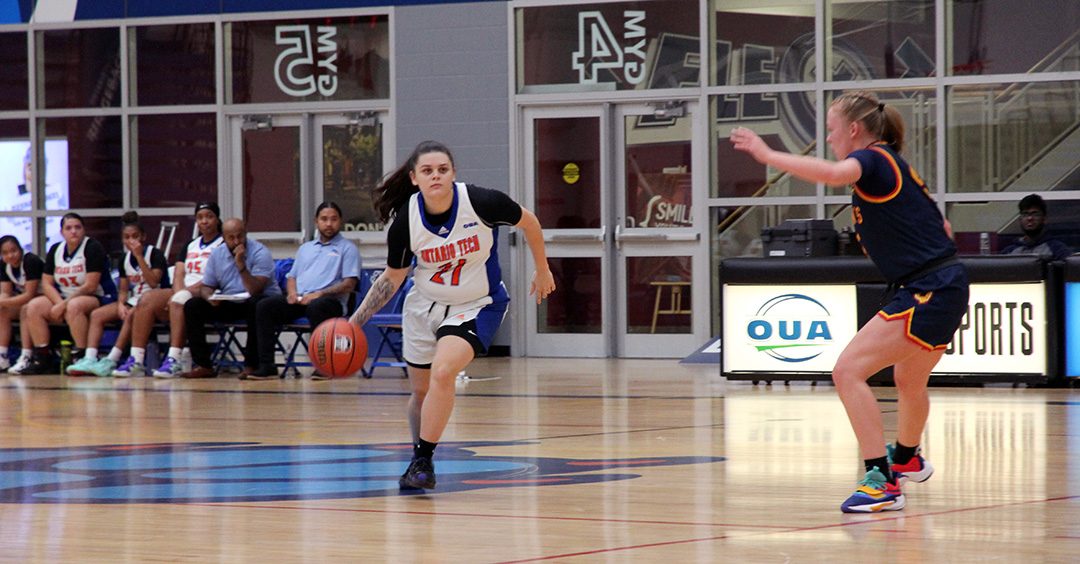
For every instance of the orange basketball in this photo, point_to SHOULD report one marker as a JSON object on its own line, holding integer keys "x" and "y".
{"x": 337, "y": 348}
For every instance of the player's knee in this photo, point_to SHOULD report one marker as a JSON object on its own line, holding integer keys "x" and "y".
{"x": 443, "y": 376}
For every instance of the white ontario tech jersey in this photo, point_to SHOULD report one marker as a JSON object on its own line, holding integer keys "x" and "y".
{"x": 455, "y": 263}
{"x": 137, "y": 285}
{"x": 71, "y": 273}
{"x": 198, "y": 254}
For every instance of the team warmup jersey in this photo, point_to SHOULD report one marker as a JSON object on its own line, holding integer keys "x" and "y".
{"x": 31, "y": 269}
{"x": 896, "y": 220}
{"x": 456, "y": 252}
{"x": 69, "y": 271}
{"x": 198, "y": 252}
{"x": 130, "y": 269}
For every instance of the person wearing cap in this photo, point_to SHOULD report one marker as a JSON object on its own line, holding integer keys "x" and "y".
{"x": 238, "y": 275}
{"x": 167, "y": 304}
{"x": 325, "y": 272}
{"x": 1035, "y": 240}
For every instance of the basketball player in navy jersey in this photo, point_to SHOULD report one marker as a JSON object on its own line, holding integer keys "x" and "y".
{"x": 903, "y": 232}
{"x": 76, "y": 281}
{"x": 458, "y": 299}
{"x": 20, "y": 282}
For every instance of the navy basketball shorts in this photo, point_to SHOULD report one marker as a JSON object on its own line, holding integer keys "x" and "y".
{"x": 424, "y": 322}
{"x": 933, "y": 306}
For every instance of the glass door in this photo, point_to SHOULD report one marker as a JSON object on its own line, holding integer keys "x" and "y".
{"x": 270, "y": 174}
{"x": 565, "y": 174}
{"x": 659, "y": 261}
{"x": 614, "y": 188}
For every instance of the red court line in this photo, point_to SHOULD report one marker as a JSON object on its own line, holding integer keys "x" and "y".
{"x": 487, "y": 515}
{"x": 614, "y": 549}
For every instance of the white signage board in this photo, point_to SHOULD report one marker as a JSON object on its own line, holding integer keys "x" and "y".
{"x": 770, "y": 328}
{"x": 1004, "y": 332}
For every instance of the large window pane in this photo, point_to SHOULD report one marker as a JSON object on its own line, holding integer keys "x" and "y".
{"x": 739, "y": 227}
{"x": 176, "y": 159}
{"x": 15, "y": 157}
{"x": 617, "y": 46}
{"x": 1000, "y": 221}
{"x": 658, "y": 161}
{"x": 735, "y": 174}
{"x": 1013, "y": 137}
{"x": 271, "y": 177}
{"x": 81, "y": 68}
{"x": 342, "y": 58}
{"x": 881, "y": 39}
{"x": 173, "y": 64}
{"x": 659, "y": 294}
{"x": 1014, "y": 36}
{"x": 90, "y": 149}
{"x": 352, "y": 166}
{"x": 759, "y": 43}
{"x": 14, "y": 78}
{"x": 918, "y": 108}
{"x": 577, "y": 308}
{"x": 568, "y": 172}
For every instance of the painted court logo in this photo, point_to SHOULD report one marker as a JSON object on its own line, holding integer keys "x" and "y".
{"x": 791, "y": 328}
{"x": 223, "y": 472}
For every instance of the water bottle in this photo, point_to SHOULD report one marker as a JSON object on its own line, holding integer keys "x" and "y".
{"x": 65, "y": 356}
{"x": 984, "y": 243}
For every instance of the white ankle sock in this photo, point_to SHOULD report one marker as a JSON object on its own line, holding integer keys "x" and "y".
{"x": 174, "y": 352}
{"x": 115, "y": 354}
{"x": 138, "y": 354}
{"x": 91, "y": 353}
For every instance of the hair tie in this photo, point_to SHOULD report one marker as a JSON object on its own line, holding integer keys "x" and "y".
{"x": 881, "y": 107}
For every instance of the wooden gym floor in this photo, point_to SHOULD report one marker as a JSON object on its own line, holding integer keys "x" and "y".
{"x": 544, "y": 460}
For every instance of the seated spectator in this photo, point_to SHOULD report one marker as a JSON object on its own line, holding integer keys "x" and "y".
{"x": 20, "y": 282}
{"x": 142, "y": 269}
{"x": 238, "y": 275}
{"x": 1035, "y": 241}
{"x": 167, "y": 304}
{"x": 75, "y": 282}
{"x": 325, "y": 272}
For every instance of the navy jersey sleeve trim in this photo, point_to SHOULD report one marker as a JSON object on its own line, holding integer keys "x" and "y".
{"x": 881, "y": 179}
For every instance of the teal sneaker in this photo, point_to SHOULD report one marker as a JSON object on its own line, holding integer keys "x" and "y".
{"x": 874, "y": 494}
{"x": 103, "y": 367}
{"x": 82, "y": 367}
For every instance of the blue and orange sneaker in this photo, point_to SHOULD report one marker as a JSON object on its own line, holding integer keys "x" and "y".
{"x": 917, "y": 470}
{"x": 874, "y": 494}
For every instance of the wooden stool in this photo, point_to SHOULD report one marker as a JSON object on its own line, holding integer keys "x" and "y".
{"x": 675, "y": 305}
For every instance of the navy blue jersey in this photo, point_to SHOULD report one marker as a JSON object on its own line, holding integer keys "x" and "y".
{"x": 896, "y": 220}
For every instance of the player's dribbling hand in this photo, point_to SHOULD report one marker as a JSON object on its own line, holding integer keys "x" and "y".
{"x": 543, "y": 284}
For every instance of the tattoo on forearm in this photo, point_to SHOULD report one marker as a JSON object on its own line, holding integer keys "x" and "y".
{"x": 380, "y": 293}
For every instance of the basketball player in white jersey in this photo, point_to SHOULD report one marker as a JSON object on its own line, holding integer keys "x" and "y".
{"x": 142, "y": 269}
{"x": 168, "y": 303}
{"x": 75, "y": 281}
{"x": 20, "y": 282}
{"x": 458, "y": 299}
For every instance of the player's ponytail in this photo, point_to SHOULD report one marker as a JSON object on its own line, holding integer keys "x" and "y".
{"x": 880, "y": 119}
{"x": 396, "y": 188}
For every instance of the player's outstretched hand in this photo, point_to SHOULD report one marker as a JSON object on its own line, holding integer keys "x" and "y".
{"x": 749, "y": 142}
{"x": 543, "y": 284}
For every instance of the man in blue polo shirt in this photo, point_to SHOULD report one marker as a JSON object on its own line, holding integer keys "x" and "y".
{"x": 325, "y": 272}
{"x": 238, "y": 275}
